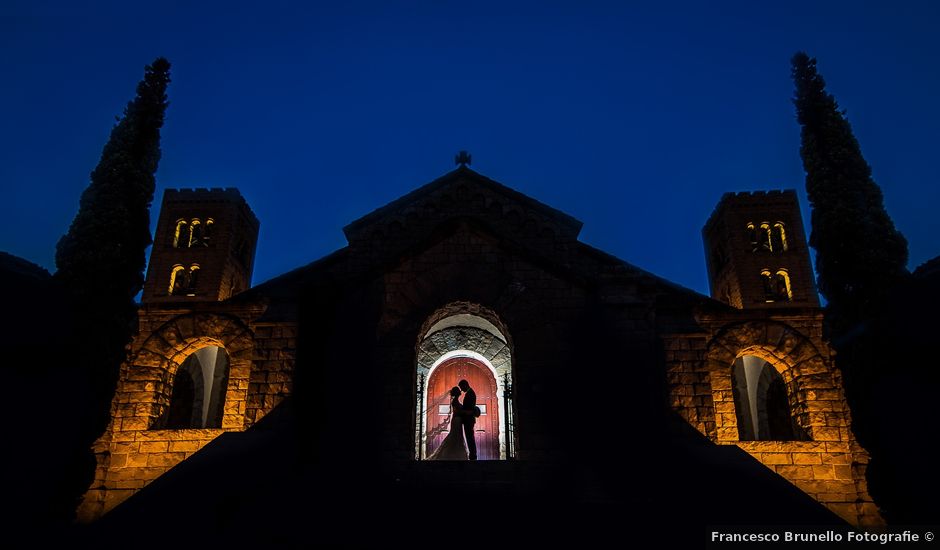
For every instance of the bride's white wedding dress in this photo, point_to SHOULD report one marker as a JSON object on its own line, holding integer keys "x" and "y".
{"x": 453, "y": 447}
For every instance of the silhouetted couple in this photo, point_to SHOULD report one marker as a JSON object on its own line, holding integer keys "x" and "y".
{"x": 463, "y": 417}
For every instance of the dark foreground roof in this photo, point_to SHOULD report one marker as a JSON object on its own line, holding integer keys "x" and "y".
{"x": 257, "y": 489}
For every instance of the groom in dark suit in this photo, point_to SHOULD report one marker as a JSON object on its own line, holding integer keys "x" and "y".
{"x": 469, "y": 416}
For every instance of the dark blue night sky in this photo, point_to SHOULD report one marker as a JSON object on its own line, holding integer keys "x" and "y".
{"x": 634, "y": 119}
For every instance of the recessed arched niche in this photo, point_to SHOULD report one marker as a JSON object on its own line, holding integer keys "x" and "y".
{"x": 197, "y": 396}
{"x": 464, "y": 342}
{"x": 762, "y": 402}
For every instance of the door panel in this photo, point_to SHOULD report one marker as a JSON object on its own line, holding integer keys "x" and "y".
{"x": 481, "y": 379}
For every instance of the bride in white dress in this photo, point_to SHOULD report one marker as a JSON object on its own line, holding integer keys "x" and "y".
{"x": 453, "y": 447}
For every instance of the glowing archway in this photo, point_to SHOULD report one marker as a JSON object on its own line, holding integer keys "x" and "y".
{"x": 464, "y": 331}
{"x": 197, "y": 396}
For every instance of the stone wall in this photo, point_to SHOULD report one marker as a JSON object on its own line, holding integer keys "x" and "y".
{"x": 129, "y": 460}
{"x": 830, "y": 466}
{"x": 832, "y": 472}
{"x": 272, "y": 371}
{"x": 135, "y": 450}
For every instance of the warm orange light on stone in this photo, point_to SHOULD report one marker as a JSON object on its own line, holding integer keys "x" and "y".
{"x": 830, "y": 467}
{"x": 699, "y": 350}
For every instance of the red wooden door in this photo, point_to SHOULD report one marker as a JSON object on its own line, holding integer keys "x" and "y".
{"x": 481, "y": 379}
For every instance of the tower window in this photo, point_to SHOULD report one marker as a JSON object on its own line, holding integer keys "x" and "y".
{"x": 776, "y": 286}
{"x": 782, "y": 286}
{"x": 177, "y": 276}
{"x": 766, "y": 240}
{"x": 200, "y": 233}
{"x": 181, "y": 234}
{"x": 207, "y": 232}
{"x": 779, "y": 238}
{"x": 193, "y": 279}
{"x": 183, "y": 281}
{"x": 767, "y": 281}
{"x": 760, "y": 237}
{"x": 766, "y": 237}
{"x": 195, "y": 232}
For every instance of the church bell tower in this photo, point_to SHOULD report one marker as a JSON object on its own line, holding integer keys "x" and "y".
{"x": 204, "y": 247}
{"x": 756, "y": 252}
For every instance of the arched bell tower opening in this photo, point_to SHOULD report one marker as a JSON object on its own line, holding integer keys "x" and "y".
{"x": 464, "y": 341}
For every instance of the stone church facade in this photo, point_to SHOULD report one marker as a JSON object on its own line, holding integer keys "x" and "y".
{"x": 467, "y": 278}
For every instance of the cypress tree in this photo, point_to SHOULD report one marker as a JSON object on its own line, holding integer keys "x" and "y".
{"x": 861, "y": 271}
{"x": 860, "y": 256}
{"x": 100, "y": 261}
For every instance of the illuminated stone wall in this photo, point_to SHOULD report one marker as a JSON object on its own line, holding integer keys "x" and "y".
{"x": 830, "y": 465}
{"x": 135, "y": 450}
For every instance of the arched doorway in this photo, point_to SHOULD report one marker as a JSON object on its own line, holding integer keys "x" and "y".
{"x": 197, "y": 398}
{"x": 761, "y": 402}
{"x": 463, "y": 340}
{"x": 482, "y": 379}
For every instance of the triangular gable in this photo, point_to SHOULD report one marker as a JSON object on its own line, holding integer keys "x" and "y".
{"x": 468, "y": 193}
{"x": 523, "y": 226}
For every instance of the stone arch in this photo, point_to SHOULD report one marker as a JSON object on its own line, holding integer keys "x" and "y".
{"x": 458, "y": 308}
{"x": 813, "y": 390}
{"x": 465, "y": 329}
{"x": 148, "y": 377}
{"x": 470, "y": 339}
{"x": 763, "y": 400}
{"x": 198, "y": 390}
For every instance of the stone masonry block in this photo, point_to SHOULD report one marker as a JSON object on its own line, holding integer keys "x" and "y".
{"x": 836, "y": 458}
{"x": 186, "y": 446}
{"x": 123, "y": 474}
{"x": 134, "y": 424}
{"x": 722, "y": 383}
{"x": 727, "y": 434}
{"x": 724, "y": 407}
{"x": 165, "y": 459}
{"x": 136, "y": 460}
{"x": 154, "y": 446}
{"x": 129, "y": 484}
{"x": 796, "y": 472}
{"x": 842, "y": 471}
{"x": 806, "y": 458}
{"x": 826, "y": 434}
{"x": 118, "y": 460}
{"x": 124, "y": 447}
{"x": 775, "y": 458}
